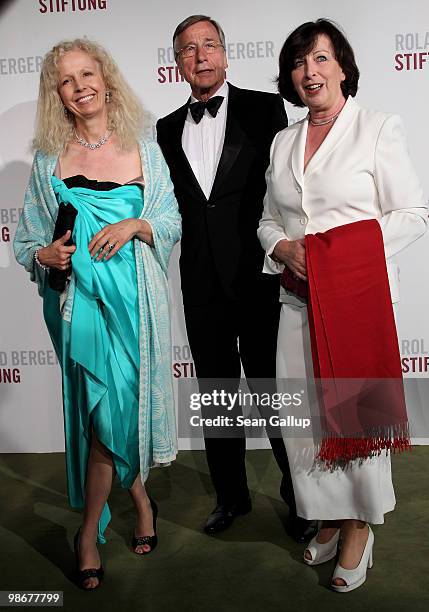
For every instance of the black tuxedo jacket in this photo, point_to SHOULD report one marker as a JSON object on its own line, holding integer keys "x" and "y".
{"x": 219, "y": 248}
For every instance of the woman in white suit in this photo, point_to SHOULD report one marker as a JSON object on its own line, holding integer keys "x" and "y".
{"x": 339, "y": 165}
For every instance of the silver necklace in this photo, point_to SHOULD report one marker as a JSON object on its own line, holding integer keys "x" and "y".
{"x": 322, "y": 122}
{"x": 100, "y": 142}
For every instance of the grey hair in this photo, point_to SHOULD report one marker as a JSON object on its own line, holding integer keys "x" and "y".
{"x": 186, "y": 23}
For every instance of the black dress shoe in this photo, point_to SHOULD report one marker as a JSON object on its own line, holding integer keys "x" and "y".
{"x": 223, "y": 516}
{"x": 300, "y": 529}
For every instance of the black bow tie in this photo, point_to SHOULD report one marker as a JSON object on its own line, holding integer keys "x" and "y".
{"x": 212, "y": 105}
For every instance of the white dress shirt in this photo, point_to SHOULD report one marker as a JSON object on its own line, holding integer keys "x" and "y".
{"x": 203, "y": 142}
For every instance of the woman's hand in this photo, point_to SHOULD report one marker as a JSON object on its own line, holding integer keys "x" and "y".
{"x": 111, "y": 238}
{"x": 292, "y": 253}
{"x": 57, "y": 255}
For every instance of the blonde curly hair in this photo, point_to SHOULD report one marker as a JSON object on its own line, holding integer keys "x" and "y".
{"x": 55, "y": 126}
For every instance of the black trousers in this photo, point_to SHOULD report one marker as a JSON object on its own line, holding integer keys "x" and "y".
{"x": 224, "y": 334}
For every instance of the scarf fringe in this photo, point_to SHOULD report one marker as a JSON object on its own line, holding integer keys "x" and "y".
{"x": 334, "y": 450}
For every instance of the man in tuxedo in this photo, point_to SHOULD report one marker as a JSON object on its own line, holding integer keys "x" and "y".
{"x": 217, "y": 148}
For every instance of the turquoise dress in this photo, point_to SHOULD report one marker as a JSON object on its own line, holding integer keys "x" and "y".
{"x": 83, "y": 342}
{"x": 100, "y": 346}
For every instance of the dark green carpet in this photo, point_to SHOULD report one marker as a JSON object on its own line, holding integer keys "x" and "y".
{"x": 253, "y": 566}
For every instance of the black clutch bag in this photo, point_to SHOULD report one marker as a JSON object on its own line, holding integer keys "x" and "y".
{"x": 65, "y": 221}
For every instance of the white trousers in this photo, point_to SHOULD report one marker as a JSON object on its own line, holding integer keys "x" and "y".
{"x": 363, "y": 490}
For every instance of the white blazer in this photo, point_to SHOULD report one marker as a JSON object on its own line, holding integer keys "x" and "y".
{"x": 361, "y": 170}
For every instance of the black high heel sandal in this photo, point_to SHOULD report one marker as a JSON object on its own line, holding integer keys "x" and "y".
{"x": 151, "y": 541}
{"x": 82, "y": 575}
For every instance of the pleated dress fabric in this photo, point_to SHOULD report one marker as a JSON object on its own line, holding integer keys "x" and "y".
{"x": 100, "y": 346}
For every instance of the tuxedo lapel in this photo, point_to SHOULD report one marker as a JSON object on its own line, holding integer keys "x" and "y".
{"x": 234, "y": 137}
{"x": 184, "y": 169}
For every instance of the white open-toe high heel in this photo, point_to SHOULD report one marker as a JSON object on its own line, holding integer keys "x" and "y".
{"x": 320, "y": 553}
{"x": 355, "y": 577}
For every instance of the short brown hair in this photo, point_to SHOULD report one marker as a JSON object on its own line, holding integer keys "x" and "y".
{"x": 300, "y": 42}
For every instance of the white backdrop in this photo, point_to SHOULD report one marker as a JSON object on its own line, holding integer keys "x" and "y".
{"x": 392, "y": 52}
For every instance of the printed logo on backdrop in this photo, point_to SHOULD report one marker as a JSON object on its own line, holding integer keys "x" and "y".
{"x": 8, "y": 219}
{"x": 251, "y": 50}
{"x": 414, "y": 356}
{"x": 69, "y": 6}
{"x": 20, "y": 65}
{"x": 11, "y": 363}
{"x": 412, "y": 51}
{"x": 183, "y": 366}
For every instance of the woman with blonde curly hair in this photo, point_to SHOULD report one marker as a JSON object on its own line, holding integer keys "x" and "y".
{"x": 100, "y": 220}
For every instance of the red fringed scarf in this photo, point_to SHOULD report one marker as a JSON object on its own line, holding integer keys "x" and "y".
{"x": 354, "y": 344}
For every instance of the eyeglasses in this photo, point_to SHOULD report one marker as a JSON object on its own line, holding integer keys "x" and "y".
{"x": 209, "y": 47}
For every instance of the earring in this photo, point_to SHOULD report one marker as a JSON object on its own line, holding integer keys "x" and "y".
{"x": 108, "y": 97}
{"x": 65, "y": 111}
